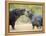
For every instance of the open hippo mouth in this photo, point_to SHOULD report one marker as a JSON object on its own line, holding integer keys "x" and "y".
{"x": 26, "y": 15}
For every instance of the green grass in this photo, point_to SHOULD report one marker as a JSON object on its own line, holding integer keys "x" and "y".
{"x": 35, "y": 8}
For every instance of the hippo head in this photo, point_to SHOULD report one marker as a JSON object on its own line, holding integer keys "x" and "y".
{"x": 28, "y": 13}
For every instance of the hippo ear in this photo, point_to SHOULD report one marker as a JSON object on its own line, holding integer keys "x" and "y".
{"x": 32, "y": 10}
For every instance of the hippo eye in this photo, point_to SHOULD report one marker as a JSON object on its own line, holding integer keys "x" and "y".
{"x": 27, "y": 11}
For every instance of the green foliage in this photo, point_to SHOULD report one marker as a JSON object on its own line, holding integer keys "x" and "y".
{"x": 35, "y": 8}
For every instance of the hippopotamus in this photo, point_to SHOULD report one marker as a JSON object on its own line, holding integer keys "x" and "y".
{"x": 14, "y": 15}
{"x": 36, "y": 20}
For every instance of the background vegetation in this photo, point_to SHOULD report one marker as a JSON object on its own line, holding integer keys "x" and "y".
{"x": 37, "y": 9}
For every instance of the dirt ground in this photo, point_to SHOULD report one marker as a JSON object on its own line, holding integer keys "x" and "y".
{"x": 24, "y": 27}
{"x": 20, "y": 25}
